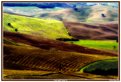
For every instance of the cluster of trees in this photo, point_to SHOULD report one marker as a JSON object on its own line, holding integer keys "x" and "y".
{"x": 67, "y": 39}
{"x": 10, "y": 25}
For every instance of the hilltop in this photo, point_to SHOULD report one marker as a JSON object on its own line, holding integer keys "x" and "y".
{"x": 75, "y": 13}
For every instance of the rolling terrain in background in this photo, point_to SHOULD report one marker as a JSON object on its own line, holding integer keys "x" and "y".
{"x": 60, "y": 40}
{"x": 74, "y": 12}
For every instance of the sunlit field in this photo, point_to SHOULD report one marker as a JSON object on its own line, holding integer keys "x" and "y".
{"x": 98, "y": 44}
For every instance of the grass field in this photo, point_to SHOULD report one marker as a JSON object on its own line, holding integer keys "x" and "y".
{"x": 99, "y": 44}
{"x": 48, "y": 28}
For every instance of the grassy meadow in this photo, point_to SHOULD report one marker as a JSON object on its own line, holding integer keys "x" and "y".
{"x": 47, "y": 28}
{"x": 98, "y": 44}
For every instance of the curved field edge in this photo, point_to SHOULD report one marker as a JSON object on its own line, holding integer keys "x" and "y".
{"x": 102, "y": 67}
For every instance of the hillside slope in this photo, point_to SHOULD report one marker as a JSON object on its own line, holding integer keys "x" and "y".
{"x": 49, "y": 44}
{"x": 47, "y": 28}
{"x": 103, "y": 14}
{"x": 99, "y": 31}
{"x": 39, "y": 53}
{"x": 41, "y": 59}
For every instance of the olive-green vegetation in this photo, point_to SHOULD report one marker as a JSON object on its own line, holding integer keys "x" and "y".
{"x": 48, "y": 28}
{"x": 103, "y": 67}
{"x": 98, "y": 44}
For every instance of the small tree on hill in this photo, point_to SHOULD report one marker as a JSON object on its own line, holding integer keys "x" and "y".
{"x": 16, "y": 30}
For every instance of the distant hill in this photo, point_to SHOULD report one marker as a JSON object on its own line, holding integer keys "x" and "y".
{"x": 102, "y": 14}
{"x": 96, "y": 13}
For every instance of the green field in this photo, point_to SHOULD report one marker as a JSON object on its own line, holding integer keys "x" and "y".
{"x": 103, "y": 67}
{"x": 98, "y": 44}
{"x": 48, "y": 28}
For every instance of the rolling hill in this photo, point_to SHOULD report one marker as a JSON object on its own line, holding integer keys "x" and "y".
{"x": 99, "y": 31}
{"x": 73, "y": 13}
{"x": 103, "y": 14}
{"x": 47, "y": 28}
{"x": 53, "y": 29}
{"x": 49, "y": 43}
{"x": 31, "y": 44}
{"x": 31, "y": 52}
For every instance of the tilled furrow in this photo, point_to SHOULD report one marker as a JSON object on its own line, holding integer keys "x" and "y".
{"x": 37, "y": 62}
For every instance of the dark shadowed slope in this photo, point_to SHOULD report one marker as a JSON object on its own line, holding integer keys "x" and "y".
{"x": 48, "y": 44}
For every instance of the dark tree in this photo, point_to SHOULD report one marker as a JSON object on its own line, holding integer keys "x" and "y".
{"x": 67, "y": 39}
{"x": 16, "y": 30}
{"x": 114, "y": 47}
{"x": 9, "y": 24}
{"x": 103, "y": 15}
